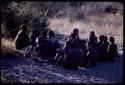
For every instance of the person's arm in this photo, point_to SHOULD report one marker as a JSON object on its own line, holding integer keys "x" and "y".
{"x": 17, "y": 36}
{"x": 77, "y": 36}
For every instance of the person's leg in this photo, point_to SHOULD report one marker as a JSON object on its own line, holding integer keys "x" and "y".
{"x": 85, "y": 59}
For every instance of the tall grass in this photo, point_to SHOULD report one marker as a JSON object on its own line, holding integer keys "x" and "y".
{"x": 7, "y": 43}
{"x": 105, "y": 24}
{"x": 94, "y": 18}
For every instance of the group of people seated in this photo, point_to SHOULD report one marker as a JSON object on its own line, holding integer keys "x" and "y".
{"x": 75, "y": 53}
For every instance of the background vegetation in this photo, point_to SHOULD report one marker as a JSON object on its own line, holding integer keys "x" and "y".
{"x": 102, "y": 17}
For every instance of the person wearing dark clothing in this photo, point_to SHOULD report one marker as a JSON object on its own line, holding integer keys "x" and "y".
{"x": 43, "y": 38}
{"x": 83, "y": 46}
{"x": 51, "y": 34}
{"x": 43, "y": 44}
{"x": 31, "y": 49}
{"x": 74, "y": 38}
{"x": 73, "y": 51}
{"x": 53, "y": 40}
{"x": 59, "y": 58}
{"x": 76, "y": 41}
{"x": 76, "y": 32}
{"x": 28, "y": 52}
{"x": 22, "y": 39}
{"x": 106, "y": 44}
{"x": 112, "y": 51}
{"x": 67, "y": 56}
{"x": 72, "y": 59}
{"x": 53, "y": 46}
{"x": 92, "y": 48}
{"x": 100, "y": 48}
{"x": 69, "y": 42}
{"x": 44, "y": 34}
{"x": 35, "y": 55}
{"x": 93, "y": 39}
{"x": 92, "y": 55}
{"x": 35, "y": 34}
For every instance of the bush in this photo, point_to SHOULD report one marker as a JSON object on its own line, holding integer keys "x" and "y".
{"x": 111, "y": 9}
{"x": 14, "y": 14}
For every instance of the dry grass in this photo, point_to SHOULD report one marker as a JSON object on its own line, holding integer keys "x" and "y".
{"x": 8, "y": 47}
{"x": 106, "y": 24}
{"x": 9, "y": 43}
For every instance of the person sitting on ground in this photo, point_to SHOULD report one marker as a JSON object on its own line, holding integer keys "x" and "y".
{"x": 93, "y": 39}
{"x": 76, "y": 32}
{"x": 70, "y": 40}
{"x": 92, "y": 55}
{"x": 93, "y": 45}
{"x": 51, "y": 34}
{"x": 59, "y": 58}
{"x": 100, "y": 48}
{"x": 112, "y": 51}
{"x": 28, "y": 52}
{"x": 44, "y": 44}
{"x": 30, "y": 49}
{"x": 83, "y": 45}
{"x": 22, "y": 39}
{"x": 54, "y": 44}
{"x": 43, "y": 37}
{"x": 74, "y": 37}
{"x": 71, "y": 55}
{"x": 106, "y": 44}
{"x": 35, "y": 34}
{"x": 53, "y": 40}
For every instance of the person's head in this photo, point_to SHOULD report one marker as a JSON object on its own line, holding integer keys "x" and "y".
{"x": 76, "y": 31}
{"x": 112, "y": 39}
{"x": 51, "y": 34}
{"x": 101, "y": 38}
{"x": 24, "y": 27}
{"x": 34, "y": 31}
{"x": 105, "y": 38}
{"x": 92, "y": 33}
{"x": 44, "y": 33}
{"x": 73, "y": 36}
